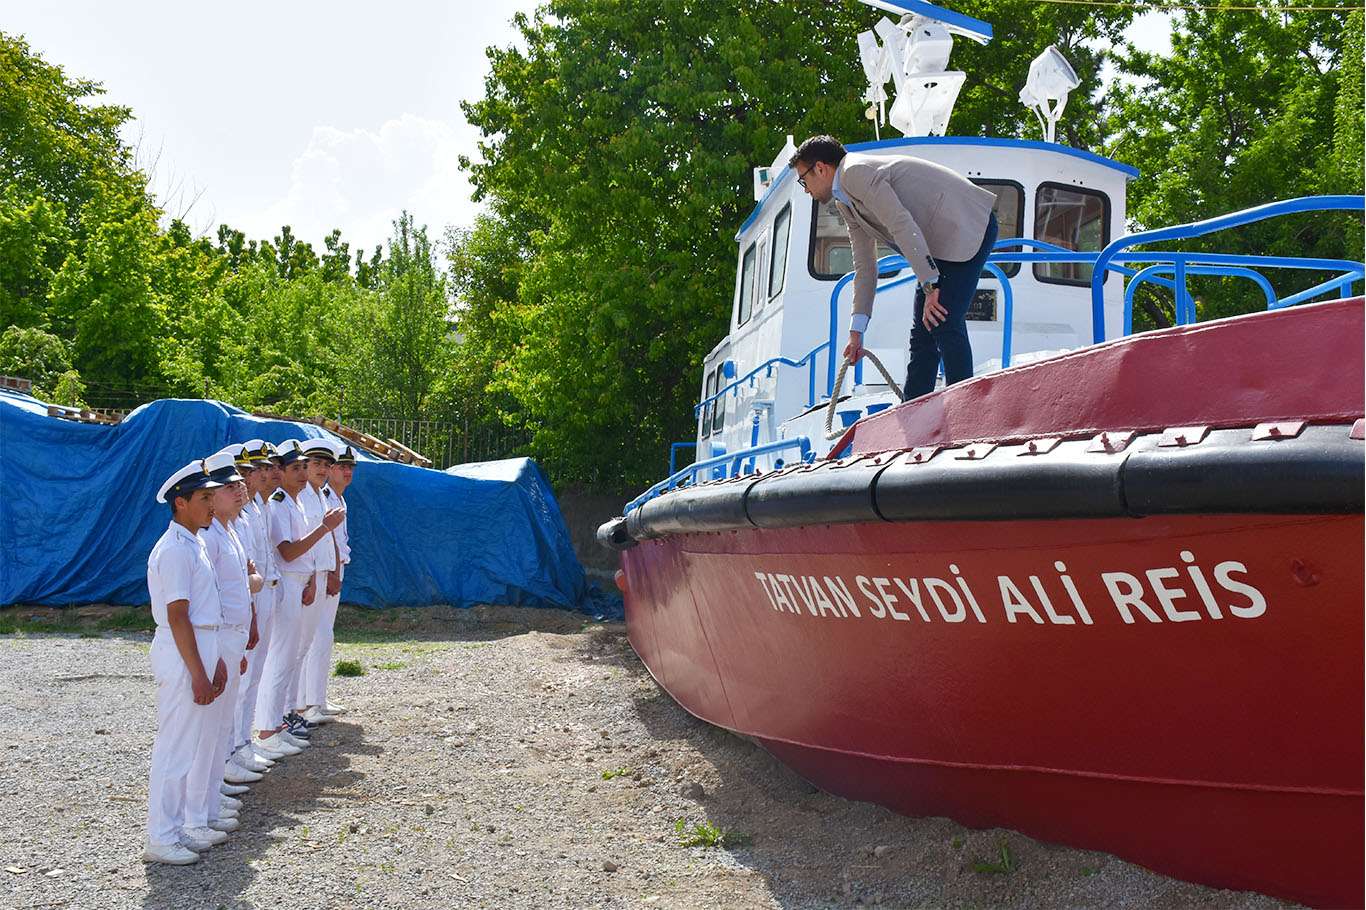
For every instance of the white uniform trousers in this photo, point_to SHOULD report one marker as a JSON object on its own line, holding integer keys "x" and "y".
{"x": 318, "y": 661}
{"x": 256, "y": 662}
{"x": 181, "y": 765}
{"x": 232, "y": 643}
{"x": 282, "y": 663}
{"x": 309, "y": 630}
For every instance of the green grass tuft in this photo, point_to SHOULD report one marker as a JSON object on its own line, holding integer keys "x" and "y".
{"x": 391, "y": 665}
{"x": 705, "y": 834}
{"x": 1004, "y": 867}
{"x": 349, "y": 668}
{"x": 617, "y": 772}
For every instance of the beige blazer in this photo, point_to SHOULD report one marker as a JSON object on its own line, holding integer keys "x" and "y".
{"x": 923, "y": 209}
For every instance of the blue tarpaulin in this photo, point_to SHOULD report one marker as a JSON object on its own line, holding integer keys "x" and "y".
{"x": 78, "y": 514}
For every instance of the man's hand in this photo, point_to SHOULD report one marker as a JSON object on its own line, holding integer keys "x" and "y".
{"x": 934, "y": 312}
{"x": 253, "y": 635}
{"x": 853, "y": 351}
{"x": 202, "y": 687}
{"x": 333, "y": 584}
{"x": 220, "y": 678}
{"x": 255, "y": 583}
{"x": 310, "y": 590}
{"x": 333, "y": 519}
{"x": 243, "y": 670}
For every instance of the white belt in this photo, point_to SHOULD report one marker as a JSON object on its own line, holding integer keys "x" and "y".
{"x": 241, "y": 629}
{"x": 304, "y": 575}
{"x": 213, "y": 628}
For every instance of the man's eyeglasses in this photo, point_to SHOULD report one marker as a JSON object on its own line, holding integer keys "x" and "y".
{"x": 801, "y": 177}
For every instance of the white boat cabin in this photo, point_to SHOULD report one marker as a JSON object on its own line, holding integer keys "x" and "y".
{"x": 793, "y": 251}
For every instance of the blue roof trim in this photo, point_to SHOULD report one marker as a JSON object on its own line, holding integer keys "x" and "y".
{"x": 772, "y": 188}
{"x": 1125, "y": 169}
{"x": 930, "y": 11}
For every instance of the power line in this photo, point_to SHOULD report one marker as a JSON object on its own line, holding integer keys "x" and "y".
{"x": 1170, "y": 7}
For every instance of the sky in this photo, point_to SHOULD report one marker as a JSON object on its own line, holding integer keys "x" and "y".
{"x": 317, "y": 115}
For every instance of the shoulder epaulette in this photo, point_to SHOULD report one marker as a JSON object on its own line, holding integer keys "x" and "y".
{"x": 327, "y": 491}
{"x": 278, "y": 496}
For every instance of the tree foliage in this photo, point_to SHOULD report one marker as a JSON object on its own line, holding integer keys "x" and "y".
{"x": 618, "y": 138}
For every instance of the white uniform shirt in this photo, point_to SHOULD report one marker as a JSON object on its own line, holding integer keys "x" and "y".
{"x": 267, "y": 566}
{"x": 230, "y": 568}
{"x": 288, "y": 522}
{"x": 179, "y": 569}
{"x": 324, "y": 555}
{"x": 333, "y": 500}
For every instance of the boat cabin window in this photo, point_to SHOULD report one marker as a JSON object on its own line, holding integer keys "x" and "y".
{"x": 746, "y": 285}
{"x": 1075, "y": 219}
{"x": 718, "y": 412}
{"x": 708, "y": 390}
{"x": 831, "y": 257}
{"x": 1009, "y": 215}
{"x": 782, "y": 227}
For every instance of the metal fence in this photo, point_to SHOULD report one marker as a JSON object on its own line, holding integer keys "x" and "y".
{"x": 446, "y": 442}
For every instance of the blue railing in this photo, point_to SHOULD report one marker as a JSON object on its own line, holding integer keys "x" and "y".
{"x": 1153, "y": 268}
{"x": 1181, "y": 261}
{"x": 730, "y": 464}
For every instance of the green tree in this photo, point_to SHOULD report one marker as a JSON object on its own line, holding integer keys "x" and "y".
{"x": 409, "y": 345}
{"x": 35, "y": 355}
{"x": 1249, "y": 108}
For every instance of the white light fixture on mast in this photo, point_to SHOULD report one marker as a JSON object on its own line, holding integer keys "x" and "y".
{"x": 1051, "y": 78}
{"x": 915, "y": 52}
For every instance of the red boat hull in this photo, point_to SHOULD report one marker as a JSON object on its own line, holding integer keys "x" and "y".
{"x": 1147, "y": 641}
{"x": 1213, "y": 734}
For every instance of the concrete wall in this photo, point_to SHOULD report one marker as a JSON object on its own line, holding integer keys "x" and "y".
{"x": 584, "y": 511}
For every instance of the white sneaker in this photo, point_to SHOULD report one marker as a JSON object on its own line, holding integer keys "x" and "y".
{"x": 294, "y": 741}
{"x": 224, "y": 825}
{"x": 207, "y": 835}
{"x": 234, "y": 773}
{"x": 227, "y": 789}
{"x": 258, "y": 746}
{"x": 229, "y": 802}
{"x": 315, "y": 716}
{"x": 332, "y": 708}
{"x": 227, "y": 811}
{"x": 191, "y": 843}
{"x": 171, "y": 854}
{"x": 277, "y": 743}
{"x": 248, "y": 760}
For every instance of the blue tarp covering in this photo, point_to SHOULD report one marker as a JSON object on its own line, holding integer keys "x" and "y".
{"x": 78, "y": 514}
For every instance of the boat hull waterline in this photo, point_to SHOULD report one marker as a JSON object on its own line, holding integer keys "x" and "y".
{"x": 1170, "y": 689}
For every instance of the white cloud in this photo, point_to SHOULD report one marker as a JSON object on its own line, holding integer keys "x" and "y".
{"x": 360, "y": 180}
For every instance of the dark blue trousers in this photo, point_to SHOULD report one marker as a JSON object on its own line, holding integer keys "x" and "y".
{"x": 947, "y": 341}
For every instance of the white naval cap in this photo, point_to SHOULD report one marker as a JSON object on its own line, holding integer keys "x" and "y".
{"x": 222, "y": 466}
{"x": 289, "y": 451}
{"x": 239, "y": 452}
{"x": 194, "y": 476}
{"x": 342, "y": 452}
{"x": 319, "y": 448}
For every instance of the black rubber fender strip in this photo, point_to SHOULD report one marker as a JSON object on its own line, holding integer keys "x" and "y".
{"x": 1322, "y": 470}
{"x": 613, "y": 535}
{"x": 826, "y": 492}
{"x": 1067, "y": 482}
{"x": 1319, "y": 471}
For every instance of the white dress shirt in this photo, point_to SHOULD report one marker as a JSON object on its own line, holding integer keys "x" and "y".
{"x": 179, "y": 569}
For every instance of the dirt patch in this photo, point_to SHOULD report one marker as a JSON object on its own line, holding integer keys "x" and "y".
{"x": 494, "y": 757}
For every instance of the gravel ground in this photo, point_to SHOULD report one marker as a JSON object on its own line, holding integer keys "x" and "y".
{"x": 476, "y": 768}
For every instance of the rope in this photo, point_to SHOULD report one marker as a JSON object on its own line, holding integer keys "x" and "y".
{"x": 839, "y": 383}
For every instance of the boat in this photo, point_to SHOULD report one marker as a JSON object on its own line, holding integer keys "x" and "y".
{"x": 1108, "y": 592}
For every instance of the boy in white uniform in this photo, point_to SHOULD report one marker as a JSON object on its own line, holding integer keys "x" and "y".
{"x": 236, "y": 578}
{"x": 319, "y": 660}
{"x": 185, "y": 605}
{"x": 261, "y": 482}
{"x": 295, "y": 541}
{"x": 327, "y": 579}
